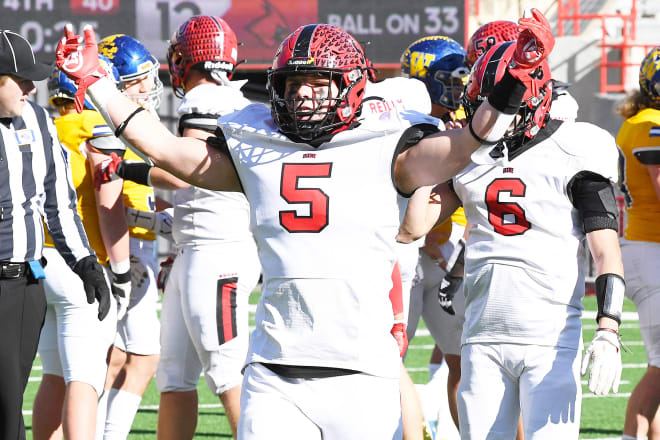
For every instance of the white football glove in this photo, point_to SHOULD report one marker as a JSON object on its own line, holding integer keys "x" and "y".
{"x": 605, "y": 357}
{"x": 160, "y": 223}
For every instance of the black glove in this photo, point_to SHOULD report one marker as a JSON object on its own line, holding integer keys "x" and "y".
{"x": 96, "y": 287}
{"x": 448, "y": 288}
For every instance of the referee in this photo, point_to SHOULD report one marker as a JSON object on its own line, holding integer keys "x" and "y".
{"x": 34, "y": 183}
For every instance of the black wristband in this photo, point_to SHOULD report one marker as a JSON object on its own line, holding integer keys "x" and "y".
{"x": 121, "y": 127}
{"x": 137, "y": 172}
{"x": 507, "y": 94}
{"x": 610, "y": 289}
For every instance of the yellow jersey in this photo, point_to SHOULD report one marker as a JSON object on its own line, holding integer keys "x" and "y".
{"x": 642, "y": 204}
{"x": 73, "y": 131}
{"x": 139, "y": 197}
{"x": 445, "y": 227}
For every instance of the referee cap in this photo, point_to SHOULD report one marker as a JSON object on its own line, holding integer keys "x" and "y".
{"x": 17, "y": 58}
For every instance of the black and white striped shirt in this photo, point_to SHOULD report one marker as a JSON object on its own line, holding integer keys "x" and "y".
{"x": 35, "y": 181}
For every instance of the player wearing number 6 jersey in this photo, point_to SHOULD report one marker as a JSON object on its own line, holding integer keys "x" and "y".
{"x": 313, "y": 172}
{"x": 532, "y": 198}
{"x": 639, "y": 142}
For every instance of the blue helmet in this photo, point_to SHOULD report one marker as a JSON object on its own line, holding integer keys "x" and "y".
{"x": 649, "y": 76}
{"x": 60, "y": 86}
{"x": 133, "y": 62}
{"x": 439, "y": 62}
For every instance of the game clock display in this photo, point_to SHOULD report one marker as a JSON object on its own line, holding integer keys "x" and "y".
{"x": 42, "y": 21}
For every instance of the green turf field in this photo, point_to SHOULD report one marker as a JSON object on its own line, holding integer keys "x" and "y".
{"x": 602, "y": 417}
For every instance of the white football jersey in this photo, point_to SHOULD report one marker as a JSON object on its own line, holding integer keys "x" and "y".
{"x": 200, "y": 214}
{"x": 524, "y": 280}
{"x": 325, "y": 221}
{"x": 397, "y": 93}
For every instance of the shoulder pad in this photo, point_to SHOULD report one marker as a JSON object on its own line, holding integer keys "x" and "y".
{"x": 212, "y": 99}
{"x": 107, "y": 145}
{"x": 592, "y": 147}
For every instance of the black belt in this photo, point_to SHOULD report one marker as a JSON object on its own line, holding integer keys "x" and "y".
{"x": 10, "y": 270}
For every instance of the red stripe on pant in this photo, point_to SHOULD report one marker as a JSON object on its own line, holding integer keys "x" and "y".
{"x": 225, "y": 313}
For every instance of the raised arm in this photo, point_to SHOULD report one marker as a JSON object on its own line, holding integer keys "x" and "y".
{"x": 191, "y": 160}
{"x": 440, "y": 156}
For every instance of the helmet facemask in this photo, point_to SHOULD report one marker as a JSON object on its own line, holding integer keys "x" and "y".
{"x": 446, "y": 88}
{"x": 150, "y": 99}
{"x": 328, "y": 114}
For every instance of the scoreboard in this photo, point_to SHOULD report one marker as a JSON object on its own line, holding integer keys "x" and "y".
{"x": 384, "y": 27}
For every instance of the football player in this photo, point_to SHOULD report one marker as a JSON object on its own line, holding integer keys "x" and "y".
{"x": 205, "y": 301}
{"x": 487, "y": 36}
{"x": 74, "y": 344}
{"x": 312, "y": 174}
{"x": 438, "y": 62}
{"x": 134, "y": 355}
{"x": 639, "y": 144}
{"x": 537, "y": 188}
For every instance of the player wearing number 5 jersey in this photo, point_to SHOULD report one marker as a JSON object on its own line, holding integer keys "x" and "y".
{"x": 639, "y": 143}
{"x": 532, "y": 198}
{"x": 322, "y": 186}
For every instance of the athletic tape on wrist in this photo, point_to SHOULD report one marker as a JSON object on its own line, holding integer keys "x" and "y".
{"x": 610, "y": 289}
{"x": 121, "y": 267}
{"x": 500, "y": 126}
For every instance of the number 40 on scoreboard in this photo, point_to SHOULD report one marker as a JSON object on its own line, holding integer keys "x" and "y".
{"x": 89, "y": 7}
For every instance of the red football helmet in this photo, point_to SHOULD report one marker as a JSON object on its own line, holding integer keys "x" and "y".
{"x": 488, "y": 36}
{"x": 328, "y": 52}
{"x": 490, "y": 68}
{"x": 204, "y": 42}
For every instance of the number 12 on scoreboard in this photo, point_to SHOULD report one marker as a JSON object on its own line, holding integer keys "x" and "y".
{"x": 89, "y": 7}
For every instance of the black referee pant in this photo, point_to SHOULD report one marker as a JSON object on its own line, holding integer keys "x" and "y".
{"x": 22, "y": 313}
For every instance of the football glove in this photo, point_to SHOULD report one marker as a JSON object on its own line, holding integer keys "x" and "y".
{"x": 535, "y": 40}
{"x": 160, "y": 223}
{"x": 96, "y": 287}
{"x": 121, "y": 285}
{"x": 448, "y": 288}
{"x": 139, "y": 273}
{"x": 604, "y": 356}
{"x": 80, "y": 63}
{"x": 164, "y": 273}
{"x": 400, "y": 336}
{"x": 106, "y": 171}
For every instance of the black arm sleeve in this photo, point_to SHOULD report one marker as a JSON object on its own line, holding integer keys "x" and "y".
{"x": 135, "y": 171}
{"x": 593, "y": 196}
{"x": 507, "y": 94}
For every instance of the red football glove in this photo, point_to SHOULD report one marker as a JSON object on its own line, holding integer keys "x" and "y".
{"x": 164, "y": 274}
{"x": 106, "y": 171}
{"x": 79, "y": 63}
{"x": 535, "y": 41}
{"x": 399, "y": 332}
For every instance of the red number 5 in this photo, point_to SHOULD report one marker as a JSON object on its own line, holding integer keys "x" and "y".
{"x": 315, "y": 198}
{"x": 508, "y": 218}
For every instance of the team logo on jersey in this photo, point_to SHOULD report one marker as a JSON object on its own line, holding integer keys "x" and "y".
{"x": 24, "y": 137}
{"x": 654, "y": 132}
